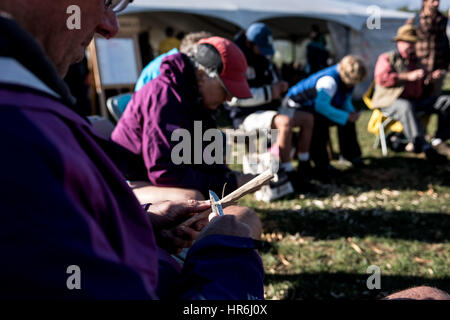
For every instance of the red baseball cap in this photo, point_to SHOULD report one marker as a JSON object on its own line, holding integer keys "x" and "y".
{"x": 228, "y": 61}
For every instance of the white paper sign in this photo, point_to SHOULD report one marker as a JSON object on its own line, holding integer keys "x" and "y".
{"x": 117, "y": 61}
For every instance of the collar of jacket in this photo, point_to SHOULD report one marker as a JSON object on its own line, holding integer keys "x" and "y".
{"x": 20, "y": 46}
{"x": 179, "y": 71}
{"x": 396, "y": 57}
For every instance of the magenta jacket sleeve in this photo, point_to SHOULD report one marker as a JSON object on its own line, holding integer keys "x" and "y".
{"x": 159, "y": 155}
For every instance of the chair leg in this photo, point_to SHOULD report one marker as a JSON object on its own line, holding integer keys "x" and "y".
{"x": 383, "y": 141}
{"x": 376, "y": 143}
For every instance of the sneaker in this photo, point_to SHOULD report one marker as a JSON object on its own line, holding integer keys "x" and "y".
{"x": 278, "y": 187}
{"x": 435, "y": 157}
{"x": 409, "y": 147}
{"x": 357, "y": 163}
{"x": 443, "y": 149}
{"x": 419, "y": 144}
{"x": 327, "y": 173}
{"x": 299, "y": 183}
{"x": 280, "y": 178}
{"x": 396, "y": 141}
{"x": 304, "y": 170}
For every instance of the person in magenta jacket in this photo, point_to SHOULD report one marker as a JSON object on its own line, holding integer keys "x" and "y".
{"x": 187, "y": 92}
{"x": 70, "y": 226}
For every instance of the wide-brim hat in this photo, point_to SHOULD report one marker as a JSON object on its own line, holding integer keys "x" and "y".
{"x": 406, "y": 33}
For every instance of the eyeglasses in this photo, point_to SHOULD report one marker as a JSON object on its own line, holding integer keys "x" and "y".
{"x": 117, "y": 5}
{"x": 223, "y": 85}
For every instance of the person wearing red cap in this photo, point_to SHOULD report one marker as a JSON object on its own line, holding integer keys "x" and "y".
{"x": 189, "y": 89}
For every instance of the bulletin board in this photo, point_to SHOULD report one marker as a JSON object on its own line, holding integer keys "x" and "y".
{"x": 116, "y": 65}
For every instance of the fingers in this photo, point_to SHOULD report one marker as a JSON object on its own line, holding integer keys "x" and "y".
{"x": 195, "y": 206}
{"x": 438, "y": 74}
{"x": 420, "y": 74}
{"x": 211, "y": 216}
{"x": 200, "y": 224}
{"x": 184, "y": 210}
{"x": 186, "y": 233}
{"x": 174, "y": 243}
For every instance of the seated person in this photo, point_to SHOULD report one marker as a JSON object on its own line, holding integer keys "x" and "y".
{"x": 328, "y": 95}
{"x": 188, "y": 90}
{"x": 67, "y": 211}
{"x": 151, "y": 71}
{"x": 169, "y": 42}
{"x": 262, "y": 110}
{"x": 399, "y": 87}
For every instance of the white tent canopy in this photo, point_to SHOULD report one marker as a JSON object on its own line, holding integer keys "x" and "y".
{"x": 289, "y": 19}
{"x": 244, "y": 12}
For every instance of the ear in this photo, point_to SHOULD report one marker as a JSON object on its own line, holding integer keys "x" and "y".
{"x": 201, "y": 77}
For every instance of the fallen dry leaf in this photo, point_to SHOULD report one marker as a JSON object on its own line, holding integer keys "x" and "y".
{"x": 376, "y": 250}
{"x": 417, "y": 259}
{"x": 283, "y": 260}
{"x": 356, "y": 248}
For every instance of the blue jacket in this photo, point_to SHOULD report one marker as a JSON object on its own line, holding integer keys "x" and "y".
{"x": 67, "y": 203}
{"x": 336, "y": 107}
{"x": 151, "y": 71}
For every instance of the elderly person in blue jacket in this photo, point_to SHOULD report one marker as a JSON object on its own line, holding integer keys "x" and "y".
{"x": 71, "y": 227}
{"x": 328, "y": 94}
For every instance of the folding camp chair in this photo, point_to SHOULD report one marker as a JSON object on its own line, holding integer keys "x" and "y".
{"x": 379, "y": 123}
{"x": 103, "y": 125}
{"x": 116, "y": 105}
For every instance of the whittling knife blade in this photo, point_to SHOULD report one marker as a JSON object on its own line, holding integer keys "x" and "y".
{"x": 215, "y": 205}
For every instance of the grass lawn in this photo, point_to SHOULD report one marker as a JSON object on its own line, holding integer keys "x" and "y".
{"x": 394, "y": 214}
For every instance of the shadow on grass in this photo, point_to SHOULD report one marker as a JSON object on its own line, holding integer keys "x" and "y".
{"x": 310, "y": 286}
{"x": 400, "y": 173}
{"x": 393, "y": 173}
{"x": 334, "y": 224}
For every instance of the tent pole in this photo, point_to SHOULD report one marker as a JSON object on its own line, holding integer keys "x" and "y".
{"x": 294, "y": 48}
{"x": 347, "y": 40}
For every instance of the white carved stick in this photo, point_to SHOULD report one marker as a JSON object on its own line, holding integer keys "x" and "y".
{"x": 251, "y": 186}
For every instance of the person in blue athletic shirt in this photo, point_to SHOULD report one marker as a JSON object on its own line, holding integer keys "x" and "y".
{"x": 328, "y": 94}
